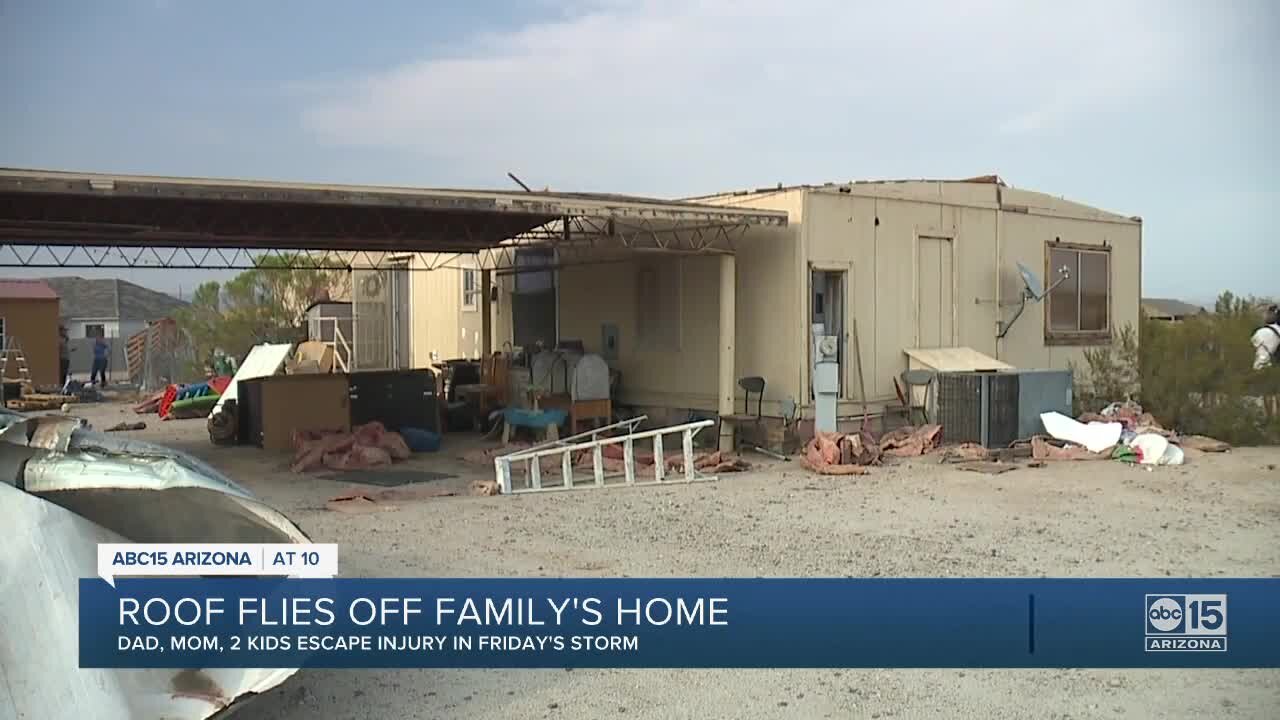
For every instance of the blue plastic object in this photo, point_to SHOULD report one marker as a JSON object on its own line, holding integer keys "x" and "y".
{"x": 420, "y": 440}
{"x": 521, "y": 417}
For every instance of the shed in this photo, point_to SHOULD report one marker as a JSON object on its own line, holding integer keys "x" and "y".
{"x": 29, "y": 324}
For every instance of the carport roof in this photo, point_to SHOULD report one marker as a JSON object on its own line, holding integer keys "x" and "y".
{"x": 74, "y": 208}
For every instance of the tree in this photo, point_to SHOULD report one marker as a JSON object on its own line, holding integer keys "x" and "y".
{"x": 257, "y": 306}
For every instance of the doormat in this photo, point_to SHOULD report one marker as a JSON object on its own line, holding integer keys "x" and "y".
{"x": 387, "y": 478}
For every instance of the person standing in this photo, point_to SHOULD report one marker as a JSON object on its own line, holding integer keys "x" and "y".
{"x": 101, "y": 353}
{"x": 64, "y": 355}
{"x": 1266, "y": 339}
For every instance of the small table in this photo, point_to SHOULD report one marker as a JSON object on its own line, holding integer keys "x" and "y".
{"x": 579, "y": 410}
{"x": 546, "y": 420}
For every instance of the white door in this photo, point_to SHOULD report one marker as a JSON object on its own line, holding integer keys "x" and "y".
{"x": 935, "y": 293}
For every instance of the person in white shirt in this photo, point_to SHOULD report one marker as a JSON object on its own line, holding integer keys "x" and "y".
{"x": 1266, "y": 339}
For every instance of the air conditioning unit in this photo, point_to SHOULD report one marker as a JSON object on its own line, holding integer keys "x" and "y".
{"x": 996, "y": 408}
{"x": 977, "y": 407}
{"x": 1041, "y": 391}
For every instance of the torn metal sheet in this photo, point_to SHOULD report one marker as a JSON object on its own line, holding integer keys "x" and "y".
{"x": 63, "y": 490}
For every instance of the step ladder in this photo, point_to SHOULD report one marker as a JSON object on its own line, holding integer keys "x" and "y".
{"x": 12, "y": 350}
{"x": 531, "y": 459}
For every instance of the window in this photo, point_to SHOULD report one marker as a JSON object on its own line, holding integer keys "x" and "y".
{"x": 530, "y": 281}
{"x": 1078, "y": 311}
{"x": 94, "y": 330}
{"x": 470, "y": 289}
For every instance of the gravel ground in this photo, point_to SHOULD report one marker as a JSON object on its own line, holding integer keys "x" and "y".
{"x": 1217, "y": 516}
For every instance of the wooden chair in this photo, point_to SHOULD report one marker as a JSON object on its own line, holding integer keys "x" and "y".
{"x": 491, "y": 392}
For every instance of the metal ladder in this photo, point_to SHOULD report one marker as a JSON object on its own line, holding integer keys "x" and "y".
{"x": 531, "y": 458}
{"x": 12, "y": 348}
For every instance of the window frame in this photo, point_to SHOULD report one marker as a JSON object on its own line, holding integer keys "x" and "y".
{"x": 471, "y": 298}
{"x": 1076, "y": 337}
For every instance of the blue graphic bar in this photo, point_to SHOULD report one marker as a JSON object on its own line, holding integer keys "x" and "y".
{"x": 680, "y": 623}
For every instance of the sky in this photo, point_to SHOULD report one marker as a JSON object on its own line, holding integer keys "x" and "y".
{"x": 1166, "y": 110}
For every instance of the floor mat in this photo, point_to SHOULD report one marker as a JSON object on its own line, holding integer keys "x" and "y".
{"x": 387, "y": 478}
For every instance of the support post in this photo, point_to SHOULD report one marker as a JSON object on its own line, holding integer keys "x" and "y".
{"x": 728, "y": 320}
{"x": 486, "y": 315}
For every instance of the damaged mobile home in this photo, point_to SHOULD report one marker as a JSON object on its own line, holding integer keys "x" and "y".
{"x": 63, "y": 490}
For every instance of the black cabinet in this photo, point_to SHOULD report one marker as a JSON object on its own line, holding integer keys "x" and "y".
{"x": 395, "y": 398}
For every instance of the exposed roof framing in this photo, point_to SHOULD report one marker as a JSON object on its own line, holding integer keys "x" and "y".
{"x": 63, "y": 219}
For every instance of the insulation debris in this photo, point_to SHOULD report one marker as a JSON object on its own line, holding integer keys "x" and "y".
{"x": 366, "y": 446}
{"x": 911, "y": 441}
{"x": 840, "y": 454}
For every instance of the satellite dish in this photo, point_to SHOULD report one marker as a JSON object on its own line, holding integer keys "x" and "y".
{"x": 1034, "y": 288}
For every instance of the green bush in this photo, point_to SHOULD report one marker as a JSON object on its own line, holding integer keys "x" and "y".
{"x": 1195, "y": 376}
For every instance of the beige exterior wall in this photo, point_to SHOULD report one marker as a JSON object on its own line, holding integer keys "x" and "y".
{"x": 679, "y": 371}
{"x": 838, "y": 230}
{"x": 954, "y": 231}
{"x": 438, "y": 321}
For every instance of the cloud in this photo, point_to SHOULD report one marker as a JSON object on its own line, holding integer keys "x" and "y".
{"x": 720, "y": 84}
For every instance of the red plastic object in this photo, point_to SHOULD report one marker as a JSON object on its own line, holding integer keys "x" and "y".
{"x": 219, "y": 384}
{"x": 166, "y": 402}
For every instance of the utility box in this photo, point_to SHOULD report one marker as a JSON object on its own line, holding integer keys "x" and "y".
{"x": 826, "y": 383}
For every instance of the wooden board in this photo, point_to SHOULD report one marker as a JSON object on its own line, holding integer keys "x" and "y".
{"x": 302, "y": 402}
{"x": 953, "y": 359}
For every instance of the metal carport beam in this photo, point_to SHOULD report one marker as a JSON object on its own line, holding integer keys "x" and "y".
{"x": 314, "y": 224}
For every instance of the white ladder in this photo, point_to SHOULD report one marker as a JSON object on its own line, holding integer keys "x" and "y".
{"x": 531, "y": 458}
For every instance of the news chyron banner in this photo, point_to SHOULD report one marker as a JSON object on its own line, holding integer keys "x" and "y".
{"x": 280, "y": 606}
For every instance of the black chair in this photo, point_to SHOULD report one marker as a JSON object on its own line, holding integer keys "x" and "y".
{"x": 753, "y": 384}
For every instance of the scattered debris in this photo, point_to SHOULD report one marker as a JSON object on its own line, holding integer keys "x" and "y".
{"x": 1096, "y": 436}
{"x": 716, "y": 463}
{"x": 150, "y": 405}
{"x": 1204, "y": 444}
{"x": 485, "y": 487}
{"x": 40, "y": 401}
{"x": 223, "y": 425}
{"x": 371, "y": 501}
{"x": 124, "y": 426}
{"x": 911, "y": 441}
{"x": 1042, "y": 449}
{"x": 768, "y": 453}
{"x": 67, "y": 488}
{"x": 986, "y": 467}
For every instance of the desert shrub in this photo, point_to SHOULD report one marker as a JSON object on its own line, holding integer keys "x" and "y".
{"x": 1111, "y": 373}
{"x": 1195, "y": 376}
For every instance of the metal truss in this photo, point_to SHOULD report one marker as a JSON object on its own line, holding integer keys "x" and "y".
{"x": 191, "y": 258}
{"x": 577, "y": 240}
{"x": 582, "y": 240}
